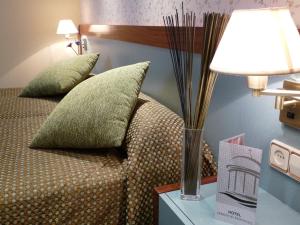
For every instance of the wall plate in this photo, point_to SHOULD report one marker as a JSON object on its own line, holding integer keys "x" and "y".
{"x": 294, "y": 166}
{"x": 285, "y": 159}
{"x": 290, "y": 114}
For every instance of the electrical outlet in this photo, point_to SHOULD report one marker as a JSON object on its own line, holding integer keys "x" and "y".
{"x": 279, "y": 155}
{"x": 285, "y": 158}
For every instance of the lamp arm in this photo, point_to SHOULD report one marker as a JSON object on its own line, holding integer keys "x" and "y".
{"x": 74, "y": 50}
{"x": 281, "y": 92}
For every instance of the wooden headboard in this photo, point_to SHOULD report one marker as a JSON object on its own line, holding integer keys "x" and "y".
{"x": 146, "y": 35}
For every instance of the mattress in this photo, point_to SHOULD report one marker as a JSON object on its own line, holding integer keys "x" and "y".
{"x": 40, "y": 186}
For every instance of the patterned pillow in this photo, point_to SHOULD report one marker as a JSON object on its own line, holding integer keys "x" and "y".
{"x": 96, "y": 113}
{"x": 61, "y": 77}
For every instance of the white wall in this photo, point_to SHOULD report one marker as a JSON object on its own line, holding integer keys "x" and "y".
{"x": 28, "y": 40}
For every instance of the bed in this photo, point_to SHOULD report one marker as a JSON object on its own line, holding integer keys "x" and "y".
{"x": 64, "y": 186}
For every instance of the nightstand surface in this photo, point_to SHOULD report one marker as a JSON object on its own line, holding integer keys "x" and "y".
{"x": 173, "y": 210}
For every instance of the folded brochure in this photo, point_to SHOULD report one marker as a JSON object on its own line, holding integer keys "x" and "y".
{"x": 238, "y": 181}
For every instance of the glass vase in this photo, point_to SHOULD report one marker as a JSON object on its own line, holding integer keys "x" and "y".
{"x": 191, "y": 168}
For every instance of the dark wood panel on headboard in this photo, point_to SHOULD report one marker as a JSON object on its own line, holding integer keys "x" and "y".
{"x": 146, "y": 35}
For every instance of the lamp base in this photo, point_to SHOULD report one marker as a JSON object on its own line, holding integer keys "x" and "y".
{"x": 257, "y": 84}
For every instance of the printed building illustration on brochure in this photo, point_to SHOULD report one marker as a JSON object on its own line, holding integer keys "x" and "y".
{"x": 238, "y": 181}
{"x": 239, "y": 175}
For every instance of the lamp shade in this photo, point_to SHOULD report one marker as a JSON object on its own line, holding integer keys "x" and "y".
{"x": 258, "y": 42}
{"x": 66, "y": 27}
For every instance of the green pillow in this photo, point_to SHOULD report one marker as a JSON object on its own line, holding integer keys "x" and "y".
{"x": 61, "y": 77}
{"x": 96, "y": 113}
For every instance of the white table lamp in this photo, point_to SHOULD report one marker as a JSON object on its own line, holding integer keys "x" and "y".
{"x": 67, "y": 28}
{"x": 258, "y": 43}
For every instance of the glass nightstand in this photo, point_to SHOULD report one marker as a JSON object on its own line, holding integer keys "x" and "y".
{"x": 173, "y": 210}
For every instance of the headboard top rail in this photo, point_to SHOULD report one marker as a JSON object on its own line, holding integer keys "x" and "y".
{"x": 146, "y": 35}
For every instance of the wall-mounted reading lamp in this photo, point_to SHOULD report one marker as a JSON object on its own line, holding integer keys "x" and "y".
{"x": 68, "y": 28}
{"x": 258, "y": 43}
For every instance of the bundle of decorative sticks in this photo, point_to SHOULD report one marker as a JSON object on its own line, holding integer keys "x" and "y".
{"x": 181, "y": 39}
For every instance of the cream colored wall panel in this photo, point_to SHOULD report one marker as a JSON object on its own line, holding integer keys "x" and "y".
{"x": 28, "y": 37}
{"x": 150, "y": 12}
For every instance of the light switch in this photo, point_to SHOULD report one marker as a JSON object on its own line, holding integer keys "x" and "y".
{"x": 279, "y": 155}
{"x": 294, "y": 165}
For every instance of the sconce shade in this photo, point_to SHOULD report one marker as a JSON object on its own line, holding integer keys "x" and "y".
{"x": 258, "y": 42}
{"x": 66, "y": 27}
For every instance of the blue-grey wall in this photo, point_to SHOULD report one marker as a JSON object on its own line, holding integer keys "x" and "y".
{"x": 233, "y": 110}
{"x": 159, "y": 82}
